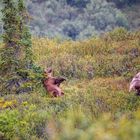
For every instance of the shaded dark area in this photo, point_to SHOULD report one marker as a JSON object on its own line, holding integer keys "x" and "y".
{"x": 78, "y": 3}
{"x": 71, "y": 31}
{"x": 122, "y": 3}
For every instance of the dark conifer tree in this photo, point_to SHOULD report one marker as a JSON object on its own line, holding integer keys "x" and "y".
{"x": 16, "y": 56}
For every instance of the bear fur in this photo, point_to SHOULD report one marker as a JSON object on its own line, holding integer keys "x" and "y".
{"x": 52, "y": 84}
{"x": 135, "y": 84}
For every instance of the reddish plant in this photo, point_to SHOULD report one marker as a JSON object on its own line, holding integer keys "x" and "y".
{"x": 52, "y": 84}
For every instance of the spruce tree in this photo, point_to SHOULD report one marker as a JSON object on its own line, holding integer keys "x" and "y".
{"x": 16, "y": 55}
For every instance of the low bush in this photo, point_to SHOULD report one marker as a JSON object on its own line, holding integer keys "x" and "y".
{"x": 96, "y": 104}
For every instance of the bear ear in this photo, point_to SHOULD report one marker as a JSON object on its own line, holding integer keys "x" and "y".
{"x": 137, "y": 75}
{"x": 48, "y": 70}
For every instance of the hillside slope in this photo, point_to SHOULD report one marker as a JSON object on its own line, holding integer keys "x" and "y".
{"x": 80, "y": 19}
{"x": 96, "y": 104}
{"x": 114, "y": 53}
{"x": 132, "y": 14}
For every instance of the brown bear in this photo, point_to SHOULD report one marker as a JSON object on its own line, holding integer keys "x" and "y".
{"x": 135, "y": 84}
{"x": 52, "y": 84}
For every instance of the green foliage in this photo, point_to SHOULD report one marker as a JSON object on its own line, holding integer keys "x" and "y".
{"x": 8, "y": 120}
{"x": 96, "y": 104}
{"x": 114, "y": 53}
{"x": 21, "y": 124}
{"x": 67, "y": 19}
{"x": 17, "y": 69}
{"x": 87, "y": 107}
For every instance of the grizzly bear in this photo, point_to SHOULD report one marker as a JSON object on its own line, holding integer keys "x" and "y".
{"x": 135, "y": 84}
{"x": 52, "y": 84}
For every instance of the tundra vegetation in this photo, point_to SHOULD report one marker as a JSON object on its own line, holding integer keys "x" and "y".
{"x": 96, "y": 105}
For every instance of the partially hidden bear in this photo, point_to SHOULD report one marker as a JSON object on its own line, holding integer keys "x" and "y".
{"x": 52, "y": 84}
{"x": 135, "y": 84}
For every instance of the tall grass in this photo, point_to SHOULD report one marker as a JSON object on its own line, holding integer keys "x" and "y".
{"x": 116, "y": 53}
{"x": 96, "y": 104}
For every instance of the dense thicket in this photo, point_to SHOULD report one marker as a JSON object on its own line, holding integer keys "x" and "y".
{"x": 76, "y": 19}
{"x": 114, "y": 53}
{"x": 96, "y": 104}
